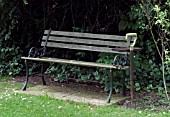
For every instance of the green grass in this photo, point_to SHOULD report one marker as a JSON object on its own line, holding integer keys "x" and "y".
{"x": 13, "y": 104}
{"x": 5, "y": 78}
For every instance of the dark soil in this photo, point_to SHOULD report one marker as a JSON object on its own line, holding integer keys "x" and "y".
{"x": 144, "y": 100}
{"x": 36, "y": 80}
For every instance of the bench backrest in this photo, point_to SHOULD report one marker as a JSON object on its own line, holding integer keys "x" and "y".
{"x": 84, "y": 41}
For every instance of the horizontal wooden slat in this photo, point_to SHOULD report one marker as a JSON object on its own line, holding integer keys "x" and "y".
{"x": 81, "y": 63}
{"x": 86, "y": 41}
{"x": 81, "y": 47}
{"x": 86, "y": 35}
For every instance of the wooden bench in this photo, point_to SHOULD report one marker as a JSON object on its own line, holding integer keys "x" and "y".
{"x": 84, "y": 41}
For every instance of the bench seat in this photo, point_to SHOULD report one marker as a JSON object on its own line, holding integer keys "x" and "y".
{"x": 74, "y": 62}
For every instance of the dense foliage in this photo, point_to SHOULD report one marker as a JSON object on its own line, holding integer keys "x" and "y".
{"x": 151, "y": 20}
{"x": 9, "y": 51}
{"x": 23, "y": 23}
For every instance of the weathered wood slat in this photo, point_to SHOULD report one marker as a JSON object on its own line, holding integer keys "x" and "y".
{"x": 87, "y": 41}
{"x": 81, "y": 47}
{"x": 81, "y": 63}
{"x": 86, "y": 35}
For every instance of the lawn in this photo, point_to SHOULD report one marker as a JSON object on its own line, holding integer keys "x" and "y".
{"x": 13, "y": 104}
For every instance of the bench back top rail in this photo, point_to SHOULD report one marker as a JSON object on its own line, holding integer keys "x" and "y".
{"x": 84, "y": 41}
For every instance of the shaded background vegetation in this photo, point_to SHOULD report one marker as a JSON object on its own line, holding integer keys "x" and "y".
{"x": 23, "y": 22}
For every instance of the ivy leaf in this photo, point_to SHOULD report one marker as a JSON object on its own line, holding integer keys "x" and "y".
{"x": 25, "y": 2}
{"x": 122, "y": 25}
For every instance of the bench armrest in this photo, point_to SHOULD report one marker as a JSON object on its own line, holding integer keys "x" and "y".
{"x": 36, "y": 52}
{"x": 120, "y": 61}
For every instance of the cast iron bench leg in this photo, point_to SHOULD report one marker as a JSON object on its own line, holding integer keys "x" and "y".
{"x": 123, "y": 83}
{"x": 42, "y": 74}
{"x": 27, "y": 75}
{"x": 111, "y": 86}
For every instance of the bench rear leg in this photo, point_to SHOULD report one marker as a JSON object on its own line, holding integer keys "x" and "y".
{"x": 111, "y": 86}
{"x": 123, "y": 83}
{"x": 27, "y": 76}
{"x": 42, "y": 74}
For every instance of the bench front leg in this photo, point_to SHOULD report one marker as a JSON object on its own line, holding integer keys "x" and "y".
{"x": 27, "y": 76}
{"x": 42, "y": 74}
{"x": 111, "y": 86}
